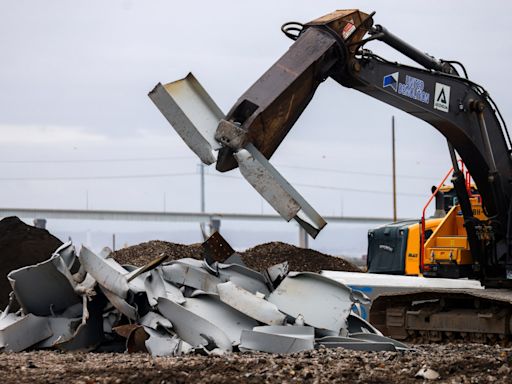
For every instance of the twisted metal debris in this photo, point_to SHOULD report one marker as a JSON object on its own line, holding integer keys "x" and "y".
{"x": 215, "y": 306}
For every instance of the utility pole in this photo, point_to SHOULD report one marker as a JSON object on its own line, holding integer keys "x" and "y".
{"x": 394, "y": 164}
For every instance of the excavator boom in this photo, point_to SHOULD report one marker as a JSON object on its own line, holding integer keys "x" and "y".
{"x": 334, "y": 46}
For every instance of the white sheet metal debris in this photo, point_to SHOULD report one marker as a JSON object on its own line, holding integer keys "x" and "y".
{"x": 322, "y": 302}
{"x": 274, "y": 343}
{"x": 192, "y": 113}
{"x": 252, "y": 305}
{"x": 107, "y": 272}
{"x": 278, "y": 192}
{"x": 20, "y": 332}
{"x": 194, "y": 329}
{"x": 42, "y": 289}
{"x": 182, "y": 306}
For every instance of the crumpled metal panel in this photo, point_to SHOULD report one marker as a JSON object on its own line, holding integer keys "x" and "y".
{"x": 274, "y": 188}
{"x": 356, "y": 324}
{"x": 191, "y": 276}
{"x": 244, "y": 277}
{"x": 157, "y": 287}
{"x": 62, "y": 328}
{"x": 253, "y": 306}
{"x": 155, "y": 321}
{"x": 273, "y": 343}
{"x": 21, "y": 332}
{"x": 161, "y": 344}
{"x": 107, "y": 272}
{"x": 89, "y": 334}
{"x": 41, "y": 289}
{"x": 229, "y": 320}
{"x": 192, "y": 113}
{"x": 276, "y": 273}
{"x": 323, "y": 302}
{"x": 120, "y": 304}
{"x": 67, "y": 253}
{"x": 192, "y": 328}
{"x": 299, "y": 331}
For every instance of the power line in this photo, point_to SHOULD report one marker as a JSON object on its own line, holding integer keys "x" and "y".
{"x": 339, "y": 171}
{"x": 110, "y": 177}
{"x": 328, "y": 187}
{"x": 73, "y": 161}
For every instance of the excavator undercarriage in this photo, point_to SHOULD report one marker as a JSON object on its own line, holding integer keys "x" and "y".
{"x": 481, "y": 316}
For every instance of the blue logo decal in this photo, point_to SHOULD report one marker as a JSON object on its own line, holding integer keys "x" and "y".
{"x": 413, "y": 88}
{"x": 391, "y": 81}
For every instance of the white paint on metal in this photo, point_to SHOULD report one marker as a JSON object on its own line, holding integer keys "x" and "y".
{"x": 41, "y": 289}
{"x": 156, "y": 286}
{"x": 274, "y": 188}
{"x": 155, "y": 321}
{"x": 356, "y": 324}
{"x": 244, "y": 277}
{"x": 190, "y": 276}
{"x": 161, "y": 344}
{"x": 120, "y": 304}
{"x": 355, "y": 279}
{"x": 229, "y": 320}
{"x": 192, "y": 328}
{"x": 250, "y": 304}
{"x": 299, "y": 331}
{"x": 192, "y": 113}
{"x": 272, "y": 343}
{"x": 323, "y": 302}
{"x": 18, "y": 333}
{"x": 107, "y": 272}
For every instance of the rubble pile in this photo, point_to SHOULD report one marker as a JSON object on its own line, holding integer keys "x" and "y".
{"x": 20, "y": 245}
{"x": 91, "y": 302}
{"x": 259, "y": 257}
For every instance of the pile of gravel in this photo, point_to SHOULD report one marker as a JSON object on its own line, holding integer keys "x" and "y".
{"x": 259, "y": 257}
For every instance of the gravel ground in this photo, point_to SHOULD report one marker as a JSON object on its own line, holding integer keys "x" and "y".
{"x": 471, "y": 363}
{"x": 259, "y": 257}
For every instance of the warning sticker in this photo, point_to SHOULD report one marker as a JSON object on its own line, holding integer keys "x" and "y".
{"x": 348, "y": 29}
{"x": 442, "y": 97}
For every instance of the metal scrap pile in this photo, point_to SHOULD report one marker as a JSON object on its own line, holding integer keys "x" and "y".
{"x": 91, "y": 302}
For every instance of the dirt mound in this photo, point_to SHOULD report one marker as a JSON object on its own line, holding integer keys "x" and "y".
{"x": 143, "y": 253}
{"x": 21, "y": 245}
{"x": 299, "y": 259}
{"x": 259, "y": 257}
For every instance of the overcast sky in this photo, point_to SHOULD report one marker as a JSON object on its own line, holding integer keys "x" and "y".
{"x": 77, "y": 129}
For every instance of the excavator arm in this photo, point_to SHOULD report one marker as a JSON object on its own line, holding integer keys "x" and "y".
{"x": 334, "y": 46}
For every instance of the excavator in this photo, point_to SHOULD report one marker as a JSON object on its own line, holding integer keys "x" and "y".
{"x": 474, "y": 238}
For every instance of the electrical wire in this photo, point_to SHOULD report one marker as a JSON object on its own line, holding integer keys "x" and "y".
{"x": 110, "y": 177}
{"x": 329, "y": 170}
{"x": 73, "y": 161}
{"x": 316, "y": 186}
